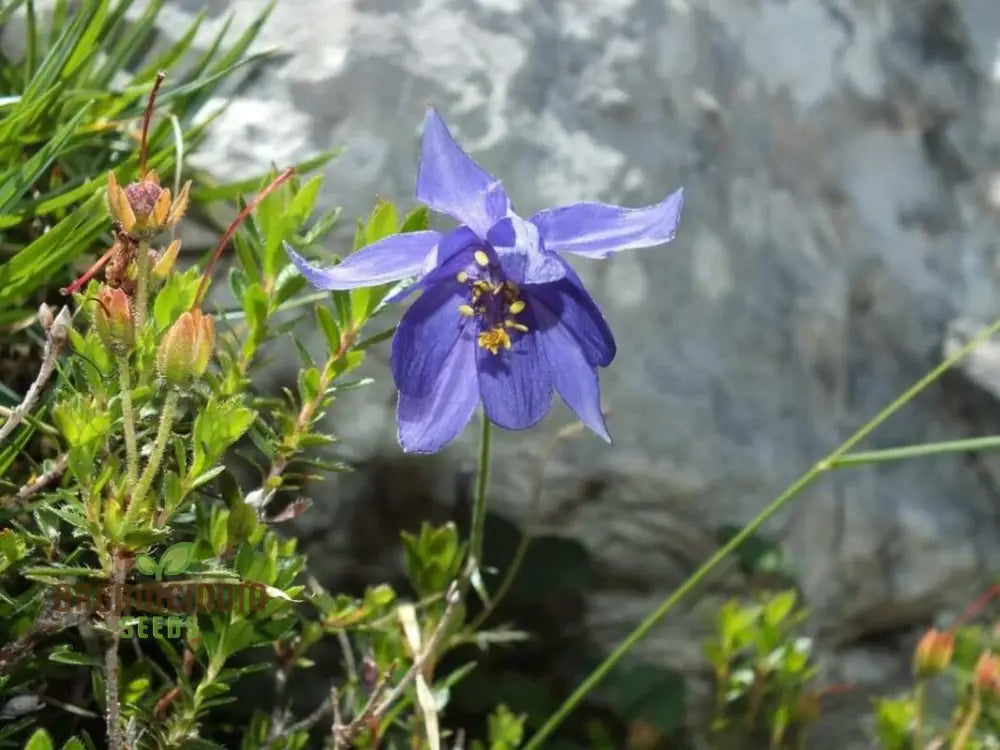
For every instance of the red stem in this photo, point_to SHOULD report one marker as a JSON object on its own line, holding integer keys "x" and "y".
{"x": 147, "y": 116}
{"x": 977, "y": 605}
{"x": 247, "y": 210}
{"x": 77, "y": 285}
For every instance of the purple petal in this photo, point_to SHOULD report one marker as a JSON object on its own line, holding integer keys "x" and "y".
{"x": 574, "y": 377}
{"x": 428, "y": 422}
{"x": 449, "y": 181}
{"x": 569, "y": 303}
{"x": 394, "y": 257}
{"x": 515, "y": 383}
{"x": 595, "y": 229}
{"x": 426, "y": 334}
{"x": 450, "y": 255}
{"x": 522, "y": 257}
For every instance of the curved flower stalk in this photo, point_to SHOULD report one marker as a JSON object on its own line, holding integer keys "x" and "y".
{"x": 502, "y": 318}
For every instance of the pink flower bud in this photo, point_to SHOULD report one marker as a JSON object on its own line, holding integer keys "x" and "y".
{"x": 186, "y": 348}
{"x": 113, "y": 320}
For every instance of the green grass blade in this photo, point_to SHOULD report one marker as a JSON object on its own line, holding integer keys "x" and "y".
{"x": 31, "y": 52}
{"x": 87, "y": 47}
{"x": 131, "y": 40}
{"x": 168, "y": 59}
{"x": 64, "y": 49}
{"x": 42, "y": 260}
{"x": 13, "y": 185}
{"x": 8, "y": 8}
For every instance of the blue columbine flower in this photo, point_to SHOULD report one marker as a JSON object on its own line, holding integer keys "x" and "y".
{"x": 502, "y": 318}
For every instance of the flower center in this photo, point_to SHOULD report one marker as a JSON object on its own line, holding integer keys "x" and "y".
{"x": 494, "y": 301}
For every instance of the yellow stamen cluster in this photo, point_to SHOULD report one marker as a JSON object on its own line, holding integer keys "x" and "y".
{"x": 498, "y": 336}
{"x": 494, "y": 339}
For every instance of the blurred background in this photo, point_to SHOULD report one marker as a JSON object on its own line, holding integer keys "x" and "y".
{"x": 841, "y": 167}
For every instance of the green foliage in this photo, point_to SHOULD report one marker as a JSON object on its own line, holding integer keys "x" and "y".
{"x": 152, "y": 552}
{"x": 504, "y": 731}
{"x": 763, "y": 669}
{"x": 71, "y": 111}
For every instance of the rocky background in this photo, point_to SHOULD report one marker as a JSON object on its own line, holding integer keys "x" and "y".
{"x": 841, "y": 161}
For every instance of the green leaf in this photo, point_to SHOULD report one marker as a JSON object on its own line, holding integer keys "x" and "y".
{"x": 329, "y": 326}
{"x": 173, "y": 491}
{"x": 176, "y": 558}
{"x": 65, "y": 655}
{"x": 381, "y": 223}
{"x": 40, "y": 740}
{"x": 418, "y": 220}
{"x": 241, "y": 524}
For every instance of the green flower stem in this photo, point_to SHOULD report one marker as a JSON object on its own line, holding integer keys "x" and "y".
{"x": 527, "y": 529}
{"x": 159, "y": 447}
{"x": 128, "y": 420}
{"x": 479, "y": 501}
{"x": 970, "y": 445}
{"x": 918, "y": 714}
{"x": 141, "y": 287}
{"x": 720, "y": 555}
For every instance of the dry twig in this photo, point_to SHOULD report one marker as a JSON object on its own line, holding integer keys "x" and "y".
{"x": 39, "y": 483}
{"x": 56, "y": 336}
{"x": 377, "y": 705}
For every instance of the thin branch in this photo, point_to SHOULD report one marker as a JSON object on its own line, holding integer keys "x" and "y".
{"x": 343, "y": 735}
{"x": 56, "y": 335}
{"x": 247, "y": 210}
{"x": 377, "y": 706}
{"x": 49, "y": 621}
{"x": 113, "y": 622}
{"x": 146, "y": 117}
{"x": 312, "y": 719}
{"x": 39, "y": 483}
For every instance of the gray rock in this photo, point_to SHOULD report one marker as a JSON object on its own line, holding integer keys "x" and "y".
{"x": 841, "y": 160}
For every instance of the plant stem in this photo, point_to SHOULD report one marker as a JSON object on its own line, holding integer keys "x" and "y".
{"x": 55, "y": 340}
{"x": 128, "y": 421}
{"x": 159, "y": 447}
{"x": 478, "y": 533}
{"x": 113, "y": 621}
{"x": 720, "y": 555}
{"x": 918, "y": 714}
{"x": 527, "y": 527}
{"x": 917, "y": 451}
{"x": 141, "y": 285}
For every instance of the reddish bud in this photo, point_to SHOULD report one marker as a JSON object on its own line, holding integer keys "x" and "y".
{"x": 144, "y": 208}
{"x": 986, "y": 674}
{"x": 113, "y": 320}
{"x": 933, "y": 653}
{"x": 186, "y": 348}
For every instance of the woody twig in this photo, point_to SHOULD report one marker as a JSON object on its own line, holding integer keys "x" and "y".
{"x": 56, "y": 336}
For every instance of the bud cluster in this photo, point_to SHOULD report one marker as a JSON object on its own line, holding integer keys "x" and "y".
{"x": 144, "y": 208}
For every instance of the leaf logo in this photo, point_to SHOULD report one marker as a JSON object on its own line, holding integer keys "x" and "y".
{"x": 175, "y": 560}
